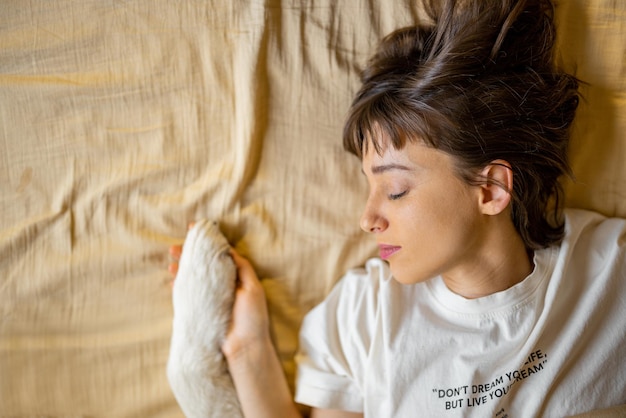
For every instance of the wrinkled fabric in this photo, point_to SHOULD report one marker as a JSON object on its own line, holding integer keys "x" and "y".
{"x": 121, "y": 122}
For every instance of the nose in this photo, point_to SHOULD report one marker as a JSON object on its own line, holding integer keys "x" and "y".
{"x": 371, "y": 219}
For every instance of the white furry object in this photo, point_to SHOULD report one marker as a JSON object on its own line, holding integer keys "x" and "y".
{"x": 203, "y": 296}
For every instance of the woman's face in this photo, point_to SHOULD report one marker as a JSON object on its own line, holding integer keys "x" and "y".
{"x": 426, "y": 220}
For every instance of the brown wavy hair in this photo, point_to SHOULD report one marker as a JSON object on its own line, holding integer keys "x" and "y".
{"x": 480, "y": 83}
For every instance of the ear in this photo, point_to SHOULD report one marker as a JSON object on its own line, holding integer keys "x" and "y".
{"x": 495, "y": 194}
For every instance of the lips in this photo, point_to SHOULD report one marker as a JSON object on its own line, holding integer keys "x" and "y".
{"x": 387, "y": 251}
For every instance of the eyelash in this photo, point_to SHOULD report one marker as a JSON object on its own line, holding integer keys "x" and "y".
{"x": 397, "y": 196}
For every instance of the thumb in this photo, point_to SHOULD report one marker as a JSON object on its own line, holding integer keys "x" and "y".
{"x": 245, "y": 272}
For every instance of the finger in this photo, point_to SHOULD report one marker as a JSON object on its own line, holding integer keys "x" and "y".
{"x": 176, "y": 250}
{"x": 245, "y": 271}
{"x": 240, "y": 261}
{"x": 173, "y": 268}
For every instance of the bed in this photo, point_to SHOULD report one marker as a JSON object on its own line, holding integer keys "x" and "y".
{"x": 122, "y": 121}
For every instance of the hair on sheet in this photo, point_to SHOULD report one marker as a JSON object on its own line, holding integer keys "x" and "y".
{"x": 480, "y": 83}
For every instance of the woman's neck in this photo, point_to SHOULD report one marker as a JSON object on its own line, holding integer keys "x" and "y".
{"x": 500, "y": 261}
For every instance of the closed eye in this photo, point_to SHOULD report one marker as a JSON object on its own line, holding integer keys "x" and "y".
{"x": 397, "y": 196}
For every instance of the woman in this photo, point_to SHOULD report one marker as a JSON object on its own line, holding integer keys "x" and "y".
{"x": 487, "y": 299}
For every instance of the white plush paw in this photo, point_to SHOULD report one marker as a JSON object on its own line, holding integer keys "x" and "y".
{"x": 203, "y": 296}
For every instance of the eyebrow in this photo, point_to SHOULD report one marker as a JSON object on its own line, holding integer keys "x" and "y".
{"x": 379, "y": 169}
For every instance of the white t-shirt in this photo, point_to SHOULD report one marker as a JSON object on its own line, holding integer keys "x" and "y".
{"x": 550, "y": 346}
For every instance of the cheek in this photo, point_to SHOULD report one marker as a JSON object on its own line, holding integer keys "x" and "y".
{"x": 425, "y": 213}
{"x": 434, "y": 216}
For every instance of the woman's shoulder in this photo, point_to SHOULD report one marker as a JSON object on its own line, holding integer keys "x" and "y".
{"x": 356, "y": 294}
{"x": 584, "y": 228}
{"x": 584, "y": 217}
{"x": 594, "y": 248}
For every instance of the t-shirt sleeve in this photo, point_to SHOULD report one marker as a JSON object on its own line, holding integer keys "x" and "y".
{"x": 335, "y": 341}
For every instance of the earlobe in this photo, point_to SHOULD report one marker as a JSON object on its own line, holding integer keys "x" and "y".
{"x": 495, "y": 191}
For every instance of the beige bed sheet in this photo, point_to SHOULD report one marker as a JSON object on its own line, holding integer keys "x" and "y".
{"x": 122, "y": 121}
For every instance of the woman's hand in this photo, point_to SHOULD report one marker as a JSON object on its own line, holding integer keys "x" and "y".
{"x": 250, "y": 319}
{"x": 251, "y": 357}
{"x": 175, "y": 252}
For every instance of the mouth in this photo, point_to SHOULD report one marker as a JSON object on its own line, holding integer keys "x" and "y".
{"x": 387, "y": 251}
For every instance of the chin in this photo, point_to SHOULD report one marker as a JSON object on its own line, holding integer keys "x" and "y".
{"x": 403, "y": 276}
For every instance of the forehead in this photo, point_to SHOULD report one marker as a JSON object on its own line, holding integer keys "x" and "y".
{"x": 413, "y": 156}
